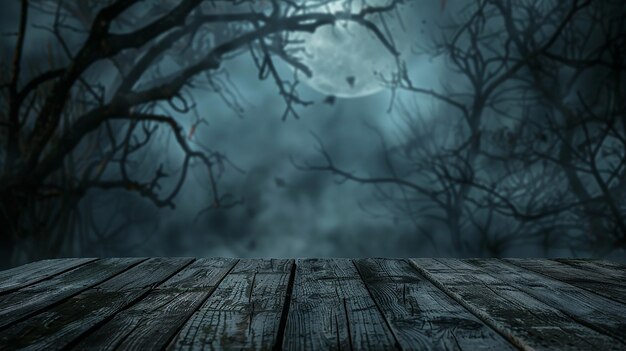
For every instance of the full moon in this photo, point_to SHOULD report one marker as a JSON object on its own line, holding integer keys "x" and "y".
{"x": 346, "y": 59}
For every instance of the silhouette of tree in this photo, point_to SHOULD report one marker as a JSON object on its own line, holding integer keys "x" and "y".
{"x": 119, "y": 72}
{"x": 528, "y": 145}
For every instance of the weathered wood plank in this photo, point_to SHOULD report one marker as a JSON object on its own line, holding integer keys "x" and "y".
{"x": 34, "y": 298}
{"x": 31, "y": 273}
{"x": 152, "y": 322}
{"x": 244, "y": 312}
{"x": 215, "y": 303}
{"x": 331, "y": 309}
{"x": 589, "y": 309}
{"x": 612, "y": 265}
{"x": 529, "y": 322}
{"x": 268, "y": 266}
{"x": 598, "y": 283}
{"x": 62, "y": 325}
{"x": 421, "y": 316}
{"x": 605, "y": 268}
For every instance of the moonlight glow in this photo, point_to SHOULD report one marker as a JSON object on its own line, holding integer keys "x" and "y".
{"x": 346, "y": 59}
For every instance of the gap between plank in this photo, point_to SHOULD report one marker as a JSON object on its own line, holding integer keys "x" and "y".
{"x": 85, "y": 334}
{"x": 63, "y": 300}
{"x": 11, "y": 290}
{"x": 499, "y": 328}
{"x": 345, "y": 311}
{"x": 563, "y": 281}
{"x": 182, "y": 325}
{"x": 380, "y": 310}
{"x": 282, "y": 325}
{"x": 567, "y": 314}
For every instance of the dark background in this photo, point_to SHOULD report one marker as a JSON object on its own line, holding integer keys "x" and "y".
{"x": 283, "y": 211}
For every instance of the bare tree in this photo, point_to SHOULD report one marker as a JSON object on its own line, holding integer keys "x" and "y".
{"x": 121, "y": 72}
{"x": 527, "y": 146}
{"x": 579, "y": 82}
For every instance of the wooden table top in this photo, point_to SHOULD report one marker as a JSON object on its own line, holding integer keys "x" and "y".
{"x": 313, "y": 304}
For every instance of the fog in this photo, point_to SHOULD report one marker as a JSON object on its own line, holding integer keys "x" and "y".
{"x": 282, "y": 209}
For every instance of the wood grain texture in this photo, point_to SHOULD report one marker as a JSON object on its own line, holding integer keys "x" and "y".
{"x": 332, "y": 309}
{"x": 36, "y": 297}
{"x": 19, "y": 277}
{"x": 312, "y": 304}
{"x": 421, "y": 316}
{"x": 594, "y": 311}
{"x": 605, "y": 268}
{"x": 152, "y": 322}
{"x": 530, "y": 323}
{"x": 597, "y": 282}
{"x": 62, "y": 325}
{"x": 244, "y": 312}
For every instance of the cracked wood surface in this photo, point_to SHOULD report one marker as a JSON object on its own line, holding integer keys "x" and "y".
{"x": 313, "y": 304}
